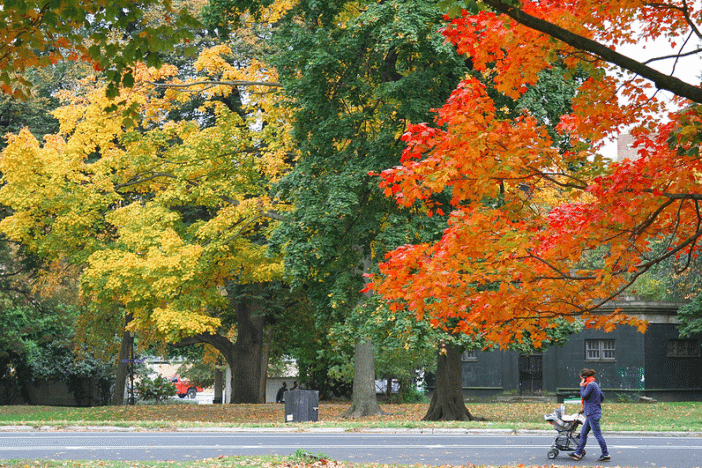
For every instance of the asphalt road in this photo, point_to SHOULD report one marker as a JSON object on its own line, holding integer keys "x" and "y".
{"x": 404, "y": 448}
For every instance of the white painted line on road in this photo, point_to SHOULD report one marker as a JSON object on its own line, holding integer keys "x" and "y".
{"x": 307, "y": 446}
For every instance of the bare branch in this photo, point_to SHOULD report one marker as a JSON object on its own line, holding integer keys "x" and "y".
{"x": 680, "y": 55}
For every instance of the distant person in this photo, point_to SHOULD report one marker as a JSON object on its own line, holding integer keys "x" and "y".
{"x": 592, "y": 398}
{"x": 295, "y": 387}
{"x": 280, "y": 396}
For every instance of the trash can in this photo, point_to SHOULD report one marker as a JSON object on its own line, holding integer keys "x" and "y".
{"x": 301, "y": 405}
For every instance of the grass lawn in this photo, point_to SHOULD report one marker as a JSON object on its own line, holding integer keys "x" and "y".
{"x": 617, "y": 416}
{"x": 685, "y": 417}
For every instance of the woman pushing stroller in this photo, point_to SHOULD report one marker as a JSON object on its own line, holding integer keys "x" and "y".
{"x": 592, "y": 398}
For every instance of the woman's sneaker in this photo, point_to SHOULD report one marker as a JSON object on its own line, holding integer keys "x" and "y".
{"x": 575, "y": 456}
{"x": 604, "y": 458}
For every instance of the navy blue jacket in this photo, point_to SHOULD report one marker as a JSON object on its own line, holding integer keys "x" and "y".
{"x": 592, "y": 399}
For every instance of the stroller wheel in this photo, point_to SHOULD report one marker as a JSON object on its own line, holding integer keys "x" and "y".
{"x": 552, "y": 454}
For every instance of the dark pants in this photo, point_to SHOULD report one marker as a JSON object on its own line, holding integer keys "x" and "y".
{"x": 594, "y": 423}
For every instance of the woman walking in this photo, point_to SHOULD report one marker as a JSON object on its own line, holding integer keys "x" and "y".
{"x": 592, "y": 398}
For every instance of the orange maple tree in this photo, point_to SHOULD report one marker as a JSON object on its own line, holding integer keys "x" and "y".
{"x": 536, "y": 232}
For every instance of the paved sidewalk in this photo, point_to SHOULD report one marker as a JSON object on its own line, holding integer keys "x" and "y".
{"x": 330, "y": 430}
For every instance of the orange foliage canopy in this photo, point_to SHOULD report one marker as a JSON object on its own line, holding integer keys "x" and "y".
{"x": 536, "y": 233}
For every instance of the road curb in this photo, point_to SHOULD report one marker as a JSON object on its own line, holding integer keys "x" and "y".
{"x": 336, "y": 430}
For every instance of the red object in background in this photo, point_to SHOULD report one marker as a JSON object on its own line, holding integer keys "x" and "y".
{"x": 185, "y": 388}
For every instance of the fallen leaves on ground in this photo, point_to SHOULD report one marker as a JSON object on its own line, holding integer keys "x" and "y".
{"x": 517, "y": 415}
{"x": 230, "y": 462}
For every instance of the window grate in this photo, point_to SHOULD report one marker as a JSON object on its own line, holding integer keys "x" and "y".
{"x": 683, "y": 348}
{"x": 600, "y": 350}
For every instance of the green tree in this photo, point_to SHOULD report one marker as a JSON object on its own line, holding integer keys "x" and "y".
{"x": 355, "y": 73}
{"x": 39, "y": 310}
{"x": 38, "y": 344}
{"x": 403, "y": 345}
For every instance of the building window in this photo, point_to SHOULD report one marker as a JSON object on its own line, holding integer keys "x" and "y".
{"x": 599, "y": 350}
{"x": 470, "y": 355}
{"x": 683, "y": 348}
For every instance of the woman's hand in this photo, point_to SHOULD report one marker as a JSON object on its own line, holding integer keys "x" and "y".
{"x": 582, "y": 382}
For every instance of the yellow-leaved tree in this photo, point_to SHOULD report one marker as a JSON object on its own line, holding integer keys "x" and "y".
{"x": 165, "y": 216}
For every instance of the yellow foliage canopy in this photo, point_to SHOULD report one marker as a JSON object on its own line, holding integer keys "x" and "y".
{"x": 159, "y": 216}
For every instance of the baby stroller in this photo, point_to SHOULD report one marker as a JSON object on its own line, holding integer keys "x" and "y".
{"x": 566, "y": 425}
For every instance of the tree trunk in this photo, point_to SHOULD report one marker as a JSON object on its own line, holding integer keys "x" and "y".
{"x": 265, "y": 357}
{"x": 245, "y": 357}
{"x": 408, "y": 388}
{"x": 364, "y": 402}
{"x": 248, "y": 349}
{"x": 123, "y": 364}
{"x": 447, "y": 402}
{"x": 218, "y": 385}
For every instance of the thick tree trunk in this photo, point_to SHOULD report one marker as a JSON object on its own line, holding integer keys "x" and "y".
{"x": 248, "y": 349}
{"x": 123, "y": 365}
{"x": 245, "y": 358}
{"x": 447, "y": 402}
{"x": 364, "y": 401}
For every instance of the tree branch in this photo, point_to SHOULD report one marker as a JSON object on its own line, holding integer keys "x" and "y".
{"x": 135, "y": 181}
{"x": 662, "y": 81}
{"x": 219, "y": 342}
{"x": 233, "y": 83}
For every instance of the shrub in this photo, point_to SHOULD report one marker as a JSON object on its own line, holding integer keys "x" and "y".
{"x": 157, "y": 389}
{"x": 412, "y": 395}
